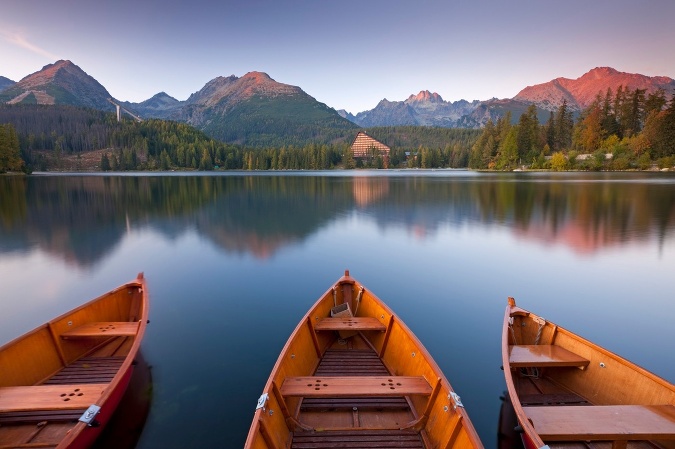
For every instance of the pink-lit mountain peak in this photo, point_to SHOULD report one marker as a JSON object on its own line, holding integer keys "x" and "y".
{"x": 581, "y": 92}
{"x": 233, "y": 89}
{"x": 425, "y": 96}
{"x": 49, "y": 73}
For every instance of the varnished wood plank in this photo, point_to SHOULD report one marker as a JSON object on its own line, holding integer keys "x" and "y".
{"x": 552, "y": 399}
{"x": 355, "y": 386}
{"x": 25, "y": 416}
{"x": 103, "y": 329}
{"x": 49, "y": 397}
{"x": 357, "y": 439}
{"x": 352, "y": 362}
{"x": 523, "y": 356}
{"x": 603, "y": 422}
{"x": 348, "y": 403}
{"x": 88, "y": 370}
{"x": 350, "y": 323}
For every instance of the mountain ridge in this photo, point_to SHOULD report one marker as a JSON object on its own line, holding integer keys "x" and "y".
{"x": 581, "y": 92}
{"x": 256, "y": 109}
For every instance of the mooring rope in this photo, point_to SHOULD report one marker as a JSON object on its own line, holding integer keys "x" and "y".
{"x": 541, "y": 327}
{"x": 358, "y": 300}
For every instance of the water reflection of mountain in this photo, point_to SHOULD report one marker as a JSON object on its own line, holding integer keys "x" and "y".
{"x": 82, "y": 218}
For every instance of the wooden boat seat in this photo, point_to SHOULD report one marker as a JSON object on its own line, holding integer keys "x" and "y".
{"x": 350, "y": 323}
{"x": 103, "y": 329}
{"x": 355, "y": 386}
{"x": 540, "y": 356}
{"x": 603, "y": 422}
{"x": 49, "y": 397}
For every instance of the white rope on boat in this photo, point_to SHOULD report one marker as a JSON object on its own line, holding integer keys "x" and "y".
{"x": 358, "y": 300}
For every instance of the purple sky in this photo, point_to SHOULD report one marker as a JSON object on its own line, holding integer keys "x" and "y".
{"x": 347, "y": 54}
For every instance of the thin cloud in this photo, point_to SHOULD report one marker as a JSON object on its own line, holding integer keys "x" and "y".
{"x": 20, "y": 41}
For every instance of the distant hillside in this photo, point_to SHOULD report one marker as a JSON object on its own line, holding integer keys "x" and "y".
{"x": 5, "y": 83}
{"x": 61, "y": 83}
{"x": 423, "y": 109}
{"x": 160, "y": 106}
{"x": 581, "y": 92}
{"x": 255, "y": 110}
{"x": 51, "y": 134}
{"x": 494, "y": 109}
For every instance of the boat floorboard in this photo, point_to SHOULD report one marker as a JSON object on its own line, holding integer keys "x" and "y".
{"x": 357, "y": 439}
{"x": 351, "y": 362}
{"x": 88, "y": 370}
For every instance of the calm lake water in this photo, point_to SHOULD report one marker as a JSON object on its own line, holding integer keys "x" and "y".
{"x": 234, "y": 260}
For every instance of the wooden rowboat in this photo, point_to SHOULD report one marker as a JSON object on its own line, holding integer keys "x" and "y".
{"x": 568, "y": 392}
{"x": 352, "y": 375}
{"x": 60, "y": 383}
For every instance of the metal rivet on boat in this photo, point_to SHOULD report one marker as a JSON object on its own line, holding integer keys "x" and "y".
{"x": 292, "y": 356}
{"x": 70, "y": 323}
{"x": 413, "y": 354}
{"x": 446, "y": 408}
{"x": 382, "y": 316}
{"x": 271, "y": 412}
{"x": 602, "y": 364}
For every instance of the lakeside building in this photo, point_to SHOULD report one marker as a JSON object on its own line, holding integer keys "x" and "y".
{"x": 366, "y": 148}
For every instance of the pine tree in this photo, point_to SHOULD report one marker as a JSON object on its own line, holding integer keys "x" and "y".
{"x": 10, "y": 151}
{"x": 550, "y": 131}
{"x": 105, "y": 162}
{"x": 563, "y": 128}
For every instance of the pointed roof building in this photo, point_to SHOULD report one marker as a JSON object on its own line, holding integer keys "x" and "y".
{"x": 364, "y": 144}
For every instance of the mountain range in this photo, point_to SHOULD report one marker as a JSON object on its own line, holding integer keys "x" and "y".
{"x": 256, "y": 110}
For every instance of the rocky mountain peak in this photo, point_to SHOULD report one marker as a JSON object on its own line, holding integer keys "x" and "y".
{"x": 425, "y": 96}
{"x": 59, "y": 83}
{"x": 581, "y": 92}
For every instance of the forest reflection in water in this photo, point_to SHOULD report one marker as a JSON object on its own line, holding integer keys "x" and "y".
{"x": 233, "y": 261}
{"x": 81, "y": 217}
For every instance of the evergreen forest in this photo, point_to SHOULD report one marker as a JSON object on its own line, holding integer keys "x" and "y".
{"x": 47, "y": 135}
{"x": 622, "y": 130}
{"x": 626, "y": 129}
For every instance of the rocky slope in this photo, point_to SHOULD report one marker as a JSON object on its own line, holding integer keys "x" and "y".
{"x": 257, "y": 110}
{"x": 423, "y": 109}
{"x": 581, "y": 92}
{"x": 60, "y": 83}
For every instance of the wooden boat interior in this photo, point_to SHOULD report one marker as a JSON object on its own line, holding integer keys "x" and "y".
{"x": 357, "y": 379}
{"x": 575, "y": 394}
{"x": 51, "y": 375}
